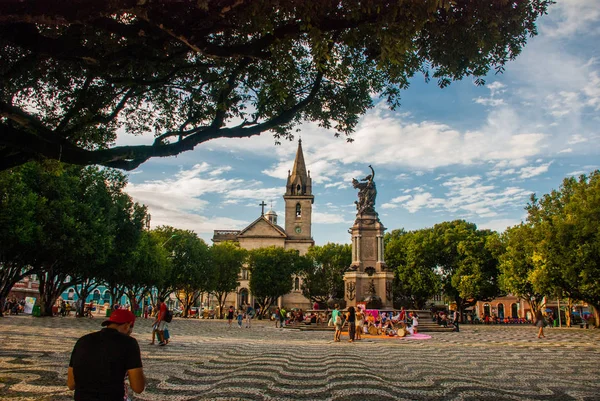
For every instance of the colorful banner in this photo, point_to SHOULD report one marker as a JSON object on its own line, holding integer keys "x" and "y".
{"x": 29, "y": 302}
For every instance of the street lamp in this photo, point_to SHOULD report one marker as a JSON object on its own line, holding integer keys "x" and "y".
{"x": 170, "y": 238}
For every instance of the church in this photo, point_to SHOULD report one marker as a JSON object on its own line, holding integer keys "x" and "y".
{"x": 265, "y": 231}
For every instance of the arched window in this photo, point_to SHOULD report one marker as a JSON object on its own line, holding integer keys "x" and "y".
{"x": 297, "y": 284}
{"x": 486, "y": 310}
{"x": 96, "y": 296}
{"x": 243, "y": 297}
{"x": 501, "y": 311}
{"x": 298, "y": 210}
{"x": 514, "y": 311}
{"x": 106, "y": 297}
{"x": 71, "y": 294}
{"x": 298, "y": 188}
{"x": 245, "y": 274}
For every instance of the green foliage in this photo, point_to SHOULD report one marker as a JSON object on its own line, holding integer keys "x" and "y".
{"x": 567, "y": 232}
{"x": 518, "y": 264}
{"x": 323, "y": 275}
{"x": 409, "y": 254}
{"x": 228, "y": 260}
{"x": 465, "y": 259}
{"x": 70, "y": 227}
{"x": 71, "y": 77}
{"x": 271, "y": 271}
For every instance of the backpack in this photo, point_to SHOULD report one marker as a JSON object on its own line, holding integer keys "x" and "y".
{"x": 168, "y": 316}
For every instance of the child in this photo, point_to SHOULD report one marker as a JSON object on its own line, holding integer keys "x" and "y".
{"x": 415, "y": 323}
{"x": 240, "y": 318}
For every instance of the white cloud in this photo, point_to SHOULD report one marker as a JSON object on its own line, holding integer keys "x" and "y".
{"x": 499, "y": 225}
{"x": 529, "y": 172}
{"x": 401, "y": 199}
{"x": 576, "y": 138}
{"x": 489, "y": 101}
{"x": 328, "y": 218}
{"x": 570, "y": 17}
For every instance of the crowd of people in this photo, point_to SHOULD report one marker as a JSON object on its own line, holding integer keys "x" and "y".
{"x": 12, "y": 306}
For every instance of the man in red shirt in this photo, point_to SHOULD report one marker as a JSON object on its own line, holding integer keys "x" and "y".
{"x": 160, "y": 322}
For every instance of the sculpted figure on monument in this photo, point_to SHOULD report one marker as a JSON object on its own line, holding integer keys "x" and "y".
{"x": 367, "y": 192}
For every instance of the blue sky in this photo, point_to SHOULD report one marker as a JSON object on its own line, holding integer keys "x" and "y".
{"x": 463, "y": 152}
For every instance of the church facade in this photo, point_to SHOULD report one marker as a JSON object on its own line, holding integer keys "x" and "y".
{"x": 265, "y": 231}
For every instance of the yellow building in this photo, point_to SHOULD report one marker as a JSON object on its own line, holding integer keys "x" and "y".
{"x": 265, "y": 232}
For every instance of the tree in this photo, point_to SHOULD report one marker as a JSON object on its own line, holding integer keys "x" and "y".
{"x": 518, "y": 264}
{"x": 271, "y": 271}
{"x": 323, "y": 275}
{"x": 192, "y": 268}
{"x": 466, "y": 262}
{"x": 18, "y": 230}
{"x": 165, "y": 280}
{"x": 147, "y": 268}
{"x": 127, "y": 222}
{"x": 192, "y": 71}
{"x": 410, "y": 255}
{"x": 65, "y": 234}
{"x": 566, "y": 223}
{"x": 228, "y": 260}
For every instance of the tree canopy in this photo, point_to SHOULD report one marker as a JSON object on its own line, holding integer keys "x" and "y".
{"x": 323, "y": 275}
{"x": 72, "y": 77}
{"x": 411, "y": 255}
{"x": 271, "y": 271}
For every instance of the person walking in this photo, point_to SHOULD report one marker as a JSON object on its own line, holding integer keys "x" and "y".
{"x": 276, "y": 317}
{"x": 282, "y": 316}
{"x": 101, "y": 361}
{"x": 230, "y": 313}
{"x": 351, "y": 320}
{"x": 540, "y": 323}
{"x": 336, "y": 318}
{"x": 160, "y": 322}
{"x": 360, "y": 321}
{"x": 455, "y": 320}
{"x": 249, "y": 315}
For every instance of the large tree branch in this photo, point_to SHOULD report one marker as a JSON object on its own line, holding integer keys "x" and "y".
{"x": 130, "y": 157}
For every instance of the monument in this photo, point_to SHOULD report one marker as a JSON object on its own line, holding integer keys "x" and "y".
{"x": 368, "y": 278}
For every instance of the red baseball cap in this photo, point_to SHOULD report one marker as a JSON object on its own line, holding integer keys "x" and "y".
{"x": 120, "y": 316}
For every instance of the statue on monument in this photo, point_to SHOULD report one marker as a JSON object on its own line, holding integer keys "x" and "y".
{"x": 367, "y": 192}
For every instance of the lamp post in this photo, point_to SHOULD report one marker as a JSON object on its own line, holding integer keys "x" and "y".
{"x": 170, "y": 238}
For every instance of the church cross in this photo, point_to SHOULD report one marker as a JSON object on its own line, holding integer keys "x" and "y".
{"x": 262, "y": 205}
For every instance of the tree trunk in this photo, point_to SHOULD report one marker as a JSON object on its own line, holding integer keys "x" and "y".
{"x": 221, "y": 297}
{"x": 596, "y": 311}
{"x": 10, "y": 274}
{"x": 568, "y": 316}
{"x": 52, "y": 284}
{"x": 85, "y": 289}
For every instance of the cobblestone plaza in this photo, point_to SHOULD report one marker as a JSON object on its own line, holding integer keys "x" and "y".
{"x": 209, "y": 361}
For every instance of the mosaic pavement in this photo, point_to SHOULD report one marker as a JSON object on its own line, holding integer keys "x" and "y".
{"x": 209, "y": 361}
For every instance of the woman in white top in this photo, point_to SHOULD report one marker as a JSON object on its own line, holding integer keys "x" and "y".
{"x": 415, "y": 323}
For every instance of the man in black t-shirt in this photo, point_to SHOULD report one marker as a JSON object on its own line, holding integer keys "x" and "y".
{"x": 100, "y": 361}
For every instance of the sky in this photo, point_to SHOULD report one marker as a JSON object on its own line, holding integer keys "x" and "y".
{"x": 462, "y": 152}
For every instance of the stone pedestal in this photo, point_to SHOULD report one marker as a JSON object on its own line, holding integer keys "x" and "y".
{"x": 368, "y": 275}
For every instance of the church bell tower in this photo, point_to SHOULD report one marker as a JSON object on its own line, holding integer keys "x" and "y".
{"x": 298, "y": 201}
